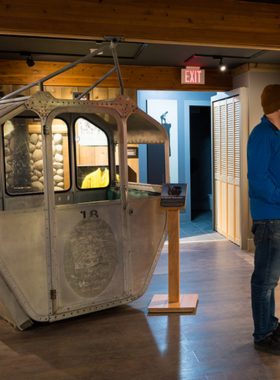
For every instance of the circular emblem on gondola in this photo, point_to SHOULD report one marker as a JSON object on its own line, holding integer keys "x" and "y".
{"x": 90, "y": 257}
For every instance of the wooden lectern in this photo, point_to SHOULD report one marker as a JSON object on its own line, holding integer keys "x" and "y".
{"x": 173, "y": 301}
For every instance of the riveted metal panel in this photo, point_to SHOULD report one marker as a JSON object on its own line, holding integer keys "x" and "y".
{"x": 23, "y": 259}
{"x": 147, "y": 233}
{"x": 89, "y": 254}
{"x": 10, "y": 308}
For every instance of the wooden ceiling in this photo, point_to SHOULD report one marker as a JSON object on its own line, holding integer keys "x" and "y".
{"x": 229, "y": 23}
{"x": 207, "y": 22}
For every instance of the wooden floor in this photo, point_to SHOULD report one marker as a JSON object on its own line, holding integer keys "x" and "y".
{"x": 127, "y": 343}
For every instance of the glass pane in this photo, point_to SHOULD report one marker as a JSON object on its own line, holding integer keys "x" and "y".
{"x": 92, "y": 156}
{"x": 24, "y": 156}
{"x": 117, "y": 162}
{"x": 155, "y": 164}
{"x": 61, "y": 164}
{"x": 146, "y": 165}
{"x": 145, "y": 156}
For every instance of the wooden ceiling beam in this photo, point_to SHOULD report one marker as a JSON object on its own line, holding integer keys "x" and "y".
{"x": 205, "y": 22}
{"x": 137, "y": 77}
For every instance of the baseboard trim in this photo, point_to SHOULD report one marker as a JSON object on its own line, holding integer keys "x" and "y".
{"x": 251, "y": 245}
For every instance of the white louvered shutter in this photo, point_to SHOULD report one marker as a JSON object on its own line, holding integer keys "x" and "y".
{"x": 227, "y": 167}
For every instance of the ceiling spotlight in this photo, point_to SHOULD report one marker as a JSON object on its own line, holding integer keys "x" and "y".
{"x": 222, "y": 66}
{"x": 29, "y": 60}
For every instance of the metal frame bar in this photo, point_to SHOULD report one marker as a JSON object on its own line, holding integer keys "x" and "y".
{"x": 97, "y": 83}
{"x": 113, "y": 47}
{"x": 40, "y": 82}
{"x": 22, "y": 98}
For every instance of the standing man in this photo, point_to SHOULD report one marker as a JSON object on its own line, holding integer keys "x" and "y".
{"x": 263, "y": 153}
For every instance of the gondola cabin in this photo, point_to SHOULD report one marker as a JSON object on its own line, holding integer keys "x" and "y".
{"x": 79, "y": 232}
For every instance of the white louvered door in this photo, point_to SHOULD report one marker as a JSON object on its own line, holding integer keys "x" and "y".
{"x": 227, "y": 167}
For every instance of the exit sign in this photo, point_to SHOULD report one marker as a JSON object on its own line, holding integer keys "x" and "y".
{"x": 192, "y": 76}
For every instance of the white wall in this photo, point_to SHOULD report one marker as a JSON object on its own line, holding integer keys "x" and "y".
{"x": 255, "y": 81}
{"x": 242, "y": 80}
{"x": 258, "y": 80}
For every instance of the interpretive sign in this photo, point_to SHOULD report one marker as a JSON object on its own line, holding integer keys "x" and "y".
{"x": 132, "y": 152}
{"x": 173, "y": 199}
{"x": 173, "y": 196}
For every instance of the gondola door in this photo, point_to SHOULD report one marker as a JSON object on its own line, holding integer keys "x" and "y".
{"x": 88, "y": 222}
{"x": 24, "y": 225}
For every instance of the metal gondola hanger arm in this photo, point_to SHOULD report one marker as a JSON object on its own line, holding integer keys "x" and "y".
{"x": 113, "y": 43}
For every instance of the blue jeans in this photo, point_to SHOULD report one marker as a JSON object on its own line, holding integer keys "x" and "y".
{"x": 265, "y": 276}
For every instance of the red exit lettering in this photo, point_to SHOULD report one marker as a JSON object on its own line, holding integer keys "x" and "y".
{"x": 193, "y": 76}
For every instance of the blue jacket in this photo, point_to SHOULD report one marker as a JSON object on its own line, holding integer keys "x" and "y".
{"x": 263, "y": 154}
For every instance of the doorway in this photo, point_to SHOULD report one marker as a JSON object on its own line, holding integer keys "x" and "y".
{"x": 200, "y": 162}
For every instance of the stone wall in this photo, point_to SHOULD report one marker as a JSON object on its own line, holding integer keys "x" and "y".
{"x": 36, "y": 161}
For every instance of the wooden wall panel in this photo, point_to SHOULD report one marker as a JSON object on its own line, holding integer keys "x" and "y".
{"x": 60, "y": 92}
{"x": 91, "y": 156}
{"x": 99, "y": 93}
{"x": 215, "y": 22}
{"x": 56, "y": 92}
{"x": 134, "y": 77}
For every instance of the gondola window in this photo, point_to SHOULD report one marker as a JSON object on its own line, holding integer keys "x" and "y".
{"x": 92, "y": 156}
{"x": 24, "y": 156}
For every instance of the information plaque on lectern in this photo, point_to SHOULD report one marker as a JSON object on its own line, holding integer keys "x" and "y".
{"x": 173, "y": 199}
{"x": 173, "y": 196}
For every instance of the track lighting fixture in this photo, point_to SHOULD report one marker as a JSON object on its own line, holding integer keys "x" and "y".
{"x": 29, "y": 60}
{"x": 222, "y": 66}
